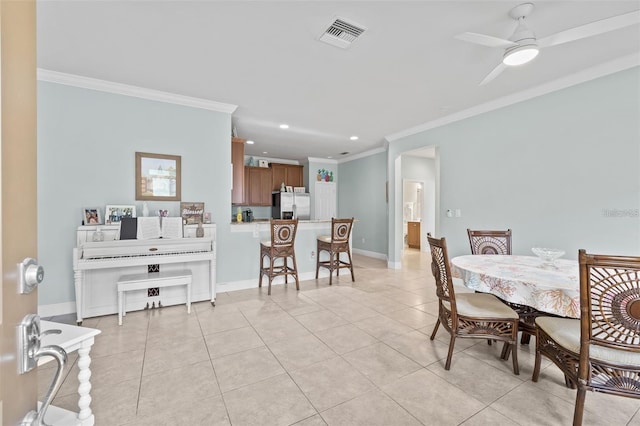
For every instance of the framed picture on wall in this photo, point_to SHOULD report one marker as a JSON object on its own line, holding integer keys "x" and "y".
{"x": 91, "y": 216}
{"x": 113, "y": 214}
{"x": 158, "y": 177}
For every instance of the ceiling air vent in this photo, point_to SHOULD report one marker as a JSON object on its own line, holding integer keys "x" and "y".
{"x": 342, "y": 33}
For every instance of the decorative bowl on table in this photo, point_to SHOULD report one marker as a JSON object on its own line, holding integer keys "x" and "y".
{"x": 547, "y": 254}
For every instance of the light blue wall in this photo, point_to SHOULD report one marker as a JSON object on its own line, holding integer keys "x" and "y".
{"x": 362, "y": 194}
{"x": 86, "y": 145}
{"x": 547, "y": 168}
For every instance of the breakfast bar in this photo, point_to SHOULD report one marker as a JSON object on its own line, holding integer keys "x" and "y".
{"x": 249, "y": 234}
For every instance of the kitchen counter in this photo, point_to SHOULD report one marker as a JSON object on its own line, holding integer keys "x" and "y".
{"x": 263, "y": 225}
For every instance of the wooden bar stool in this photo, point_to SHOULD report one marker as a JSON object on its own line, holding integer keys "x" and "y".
{"x": 281, "y": 246}
{"x": 334, "y": 244}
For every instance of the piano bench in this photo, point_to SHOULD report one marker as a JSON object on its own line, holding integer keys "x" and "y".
{"x": 152, "y": 279}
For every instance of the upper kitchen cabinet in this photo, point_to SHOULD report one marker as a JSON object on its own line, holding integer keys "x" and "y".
{"x": 290, "y": 174}
{"x": 258, "y": 186}
{"x": 237, "y": 161}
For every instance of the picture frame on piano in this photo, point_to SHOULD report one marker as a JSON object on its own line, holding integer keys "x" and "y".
{"x": 91, "y": 216}
{"x": 113, "y": 214}
{"x": 158, "y": 177}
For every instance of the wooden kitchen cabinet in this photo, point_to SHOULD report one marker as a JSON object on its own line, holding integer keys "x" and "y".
{"x": 290, "y": 174}
{"x": 413, "y": 234}
{"x": 258, "y": 186}
{"x": 237, "y": 160}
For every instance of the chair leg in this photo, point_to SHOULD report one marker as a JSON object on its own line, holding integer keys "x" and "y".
{"x": 578, "y": 411}
{"x": 450, "y": 354}
{"x": 286, "y": 270}
{"x": 435, "y": 330}
{"x": 271, "y": 260}
{"x": 506, "y": 351}
{"x": 536, "y": 368}
{"x": 514, "y": 356}
{"x": 330, "y": 267}
{"x": 295, "y": 269}
{"x": 337, "y": 264}
{"x": 353, "y": 278}
{"x": 261, "y": 271}
{"x": 317, "y": 261}
{"x": 525, "y": 339}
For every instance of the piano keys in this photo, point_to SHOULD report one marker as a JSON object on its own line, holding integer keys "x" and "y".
{"x": 98, "y": 265}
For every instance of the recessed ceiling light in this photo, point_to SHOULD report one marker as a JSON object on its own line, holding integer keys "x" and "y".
{"x": 354, "y": 138}
{"x": 329, "y": 157}
{"x": 284, "y": 126}
{"x": 264, "y": 152}
{"x": 250, "y": 142}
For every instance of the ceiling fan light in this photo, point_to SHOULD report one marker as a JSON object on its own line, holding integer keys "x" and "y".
{"x": 520, "y": 55}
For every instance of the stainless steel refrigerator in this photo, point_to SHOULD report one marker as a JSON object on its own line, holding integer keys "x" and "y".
{"x": 288, "y": 205}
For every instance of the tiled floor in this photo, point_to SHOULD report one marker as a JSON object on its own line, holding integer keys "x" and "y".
{"x": 350, "y": 354}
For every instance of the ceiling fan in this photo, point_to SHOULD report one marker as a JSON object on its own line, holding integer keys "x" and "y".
{"x": 523, "y": 46}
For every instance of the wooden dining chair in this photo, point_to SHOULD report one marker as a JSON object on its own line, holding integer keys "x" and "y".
{"x": 334, "y": 244}
{"x": 489, "y": 242}
{"x": 279, "y": 247}
{"x": 499, "y": 242}
{"x": 600, "y": 351}
{"x": 469, "y": 315}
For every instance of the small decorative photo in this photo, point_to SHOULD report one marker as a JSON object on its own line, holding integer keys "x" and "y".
{"x": 114, "y": 214}
{"x": 289, "y": 188}
{"x": 191, "y": 212}
{"x": 207, "y": 217}
{"x": 91, "y": 216}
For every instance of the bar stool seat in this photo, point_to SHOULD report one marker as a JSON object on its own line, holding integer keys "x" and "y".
{"x": 334, "y": 244}
{"x": 280, "y": 246}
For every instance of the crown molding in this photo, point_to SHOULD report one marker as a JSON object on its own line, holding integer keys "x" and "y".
{"x": 592, "y": 73}
{"x": 363, "y": 154}
{"x": 134, "y": 91}
{"x": 323, "y": 160}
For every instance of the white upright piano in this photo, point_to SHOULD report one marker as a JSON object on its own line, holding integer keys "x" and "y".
{"x": 97, "y": 266}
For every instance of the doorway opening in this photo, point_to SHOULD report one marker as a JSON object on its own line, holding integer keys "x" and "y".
{"x": 412, "y": 205}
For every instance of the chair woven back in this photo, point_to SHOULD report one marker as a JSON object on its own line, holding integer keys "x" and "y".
{"x": 340, "y": 230}
{"x": 283, "y": 232}
{"x": 609, "y": 303}
{"x": 490, "y": 242}
{"x": 441, "y": 270}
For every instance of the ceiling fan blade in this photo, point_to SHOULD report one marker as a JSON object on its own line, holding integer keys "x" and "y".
{"x": 493, "y": 74}
{"x": 592, "y": 29}
{"x": 485, "y": 40}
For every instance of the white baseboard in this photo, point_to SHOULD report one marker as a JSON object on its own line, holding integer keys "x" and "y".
{"x": 54, "y": 309}
{"x": 375, "y": 255}
{"x": 253, "y": 283}
{"x": 394, "y": 265}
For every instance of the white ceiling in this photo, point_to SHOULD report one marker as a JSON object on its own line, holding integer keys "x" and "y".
{"x": 264, "y": 56}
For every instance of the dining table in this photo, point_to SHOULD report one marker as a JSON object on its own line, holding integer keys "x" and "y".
{"x": 552, "y": 287}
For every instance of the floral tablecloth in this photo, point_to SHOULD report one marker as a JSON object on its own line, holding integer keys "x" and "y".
{"x": 525, "y": 280}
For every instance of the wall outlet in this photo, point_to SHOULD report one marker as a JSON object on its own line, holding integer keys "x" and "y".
{"x": 312, "y": 255}
{"x": 458, "y": 213}
{"x": 363, "y": 240}
{"x": 256, "y": 231}
{"x": 449, "y": 213}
